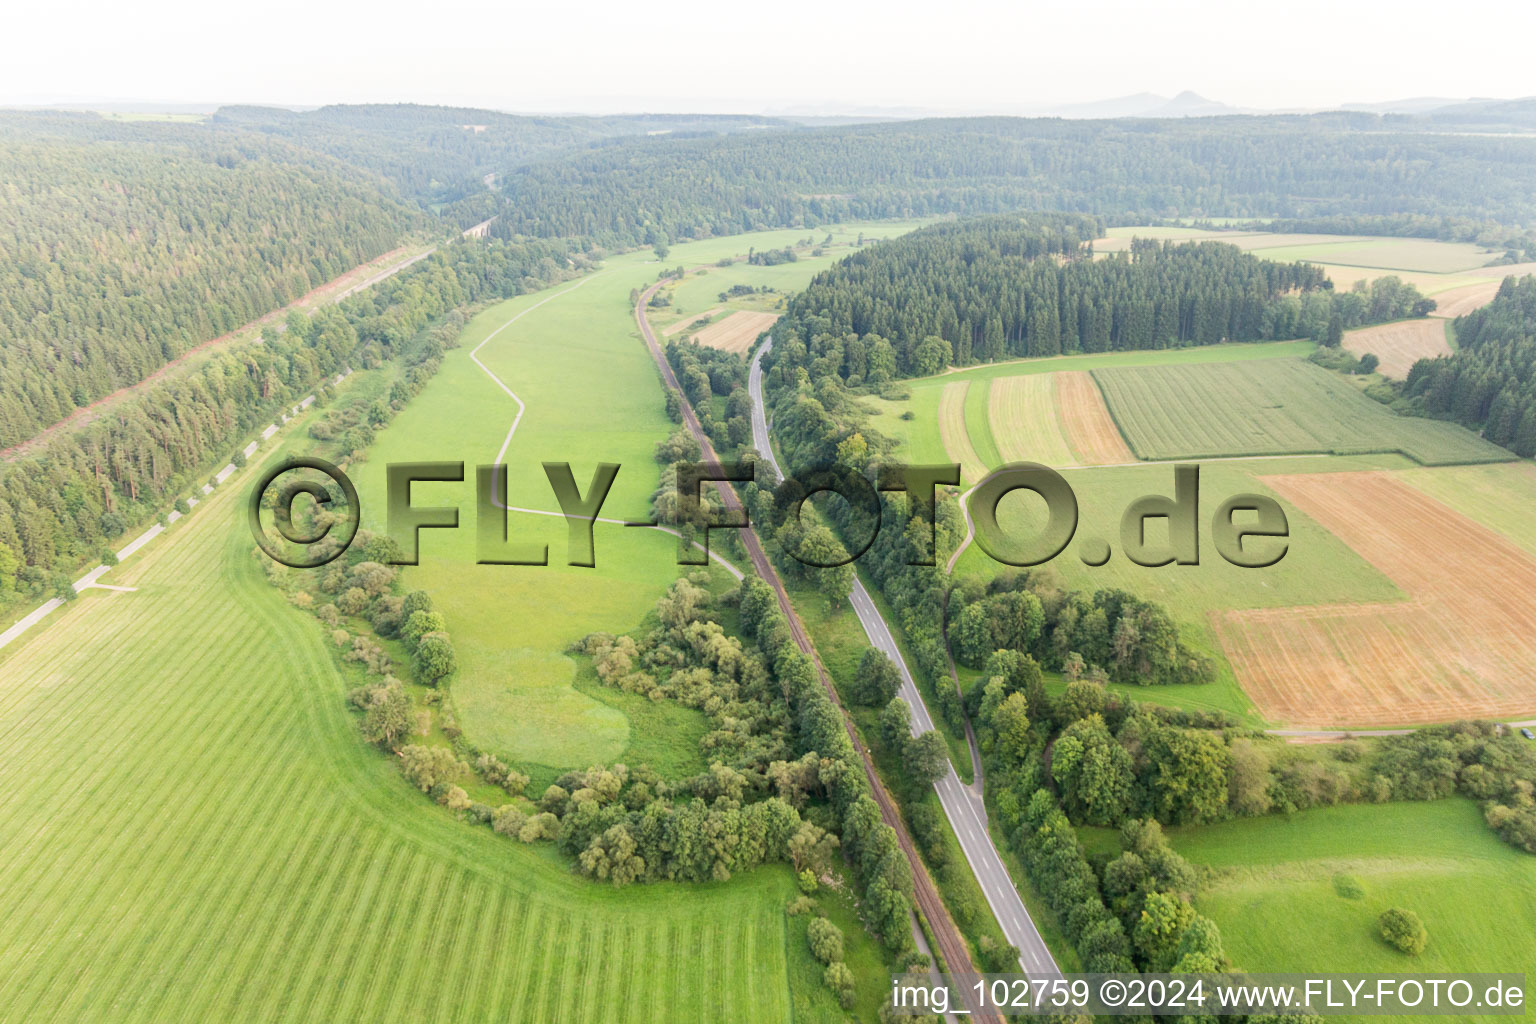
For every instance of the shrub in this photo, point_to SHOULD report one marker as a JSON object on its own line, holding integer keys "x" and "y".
{"x": 840, "y": 980}
{"x": 427, "y": 767}
{"x": 807, "y": 881}
{"x": 826, "y": 940}
{"x": 1403, "y": 930}
{"x": 1348, "y": 886}
{"x": 508, "y": 820}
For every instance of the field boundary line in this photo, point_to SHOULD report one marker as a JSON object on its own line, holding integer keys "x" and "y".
{"x": 496, "y": 497}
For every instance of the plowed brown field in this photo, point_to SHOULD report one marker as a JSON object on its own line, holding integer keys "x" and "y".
{"x": 1462, "y": 645}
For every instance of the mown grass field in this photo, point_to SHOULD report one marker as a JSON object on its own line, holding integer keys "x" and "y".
{"x": 1271, "y": 889}
{"x": 1283, "y": 407}
{"x": 192, "y": 829}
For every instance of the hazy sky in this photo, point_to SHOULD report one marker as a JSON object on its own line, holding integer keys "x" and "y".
{"x": 720, "y": 55}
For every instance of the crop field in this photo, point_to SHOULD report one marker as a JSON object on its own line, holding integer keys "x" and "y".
{"x": 1271, "y": 891}
{"x": 1499, "y": 497}
{"x": 1461, "y": 646}
{"x": 1025, "y": 422}
{"x": 1281, "y": 407}
{"x": 736, "y": 332}
{"x": 920, "y": 435}
{"x": 956, "y": 438}
{"x": 1091, "y": 431}
{"x": 1458, "y": 276}
{"x": 1058, "y": 419}
{"x": 1464, "y": 298}
{"x": 1400, "y": 345}
{"x": 192, "y": 829}
{"x": 1424, "y": 255}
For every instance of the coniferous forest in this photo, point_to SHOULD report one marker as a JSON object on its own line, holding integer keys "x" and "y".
{"x": 125, "y": 247}
{"x": 1009, "y": 287}
{"x": 1489, "y": 383}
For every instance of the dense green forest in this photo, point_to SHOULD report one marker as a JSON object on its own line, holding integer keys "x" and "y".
{"x": 1006, "y": 286}
{"x": 443, "y": 154}
{"x": 641, "y": 191}
{"x": 127, "y": 245}
{"x": 84, "y": 488}
{"x": 1489, "y": 383}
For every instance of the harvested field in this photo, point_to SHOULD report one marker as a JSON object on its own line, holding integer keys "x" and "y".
{"x": 1463, "y": 300}
{"x": 1400, "y": 345}
{"x": 957, "y": 440}
{"x": 1090, "y": 430}
{"x": 687, "y": 322}
{"x": 1463, "y": 645}
{"x": 1025, "y": 425}
{"x": 737, "y": 332}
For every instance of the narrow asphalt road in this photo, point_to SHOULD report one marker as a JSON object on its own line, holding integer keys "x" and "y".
{"x": 963, "y": 808}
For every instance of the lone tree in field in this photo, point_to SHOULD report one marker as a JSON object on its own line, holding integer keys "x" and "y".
{"x": 1403, "y": 929}
{"x": 876, "y": 681}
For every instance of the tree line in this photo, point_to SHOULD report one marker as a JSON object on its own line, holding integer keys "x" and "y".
{"x": 443, "y": 155}
{"x": 85, "y": 489}
{"x": 642, "y": 191}
{"x": 1012, "y": 286}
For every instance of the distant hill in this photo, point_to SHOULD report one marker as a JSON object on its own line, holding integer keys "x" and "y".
{"x": 1142, "y": 104}
{"x": 436, "y": 155}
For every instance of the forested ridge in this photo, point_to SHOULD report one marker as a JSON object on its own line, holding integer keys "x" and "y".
{"x": 127, "y": 246}
{"x": 640, "y": 191}
{"x": 1489, "y": 383}
{"x": 436, "y": 154}
{"x": 1011, "y": 286}
{"x": 83, "y": 489}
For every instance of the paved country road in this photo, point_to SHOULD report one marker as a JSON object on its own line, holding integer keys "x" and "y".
{"x": 964, "y": 809}
{"x": 951, "y": 944}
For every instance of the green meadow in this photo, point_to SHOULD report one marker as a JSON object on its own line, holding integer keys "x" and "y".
{"x": 193, "y": 829}
{"x": 591, "y": 395}
{"x": 1270, "y": 887}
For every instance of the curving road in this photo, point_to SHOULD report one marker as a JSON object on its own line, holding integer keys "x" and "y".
{"x": 964, "y": 808}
